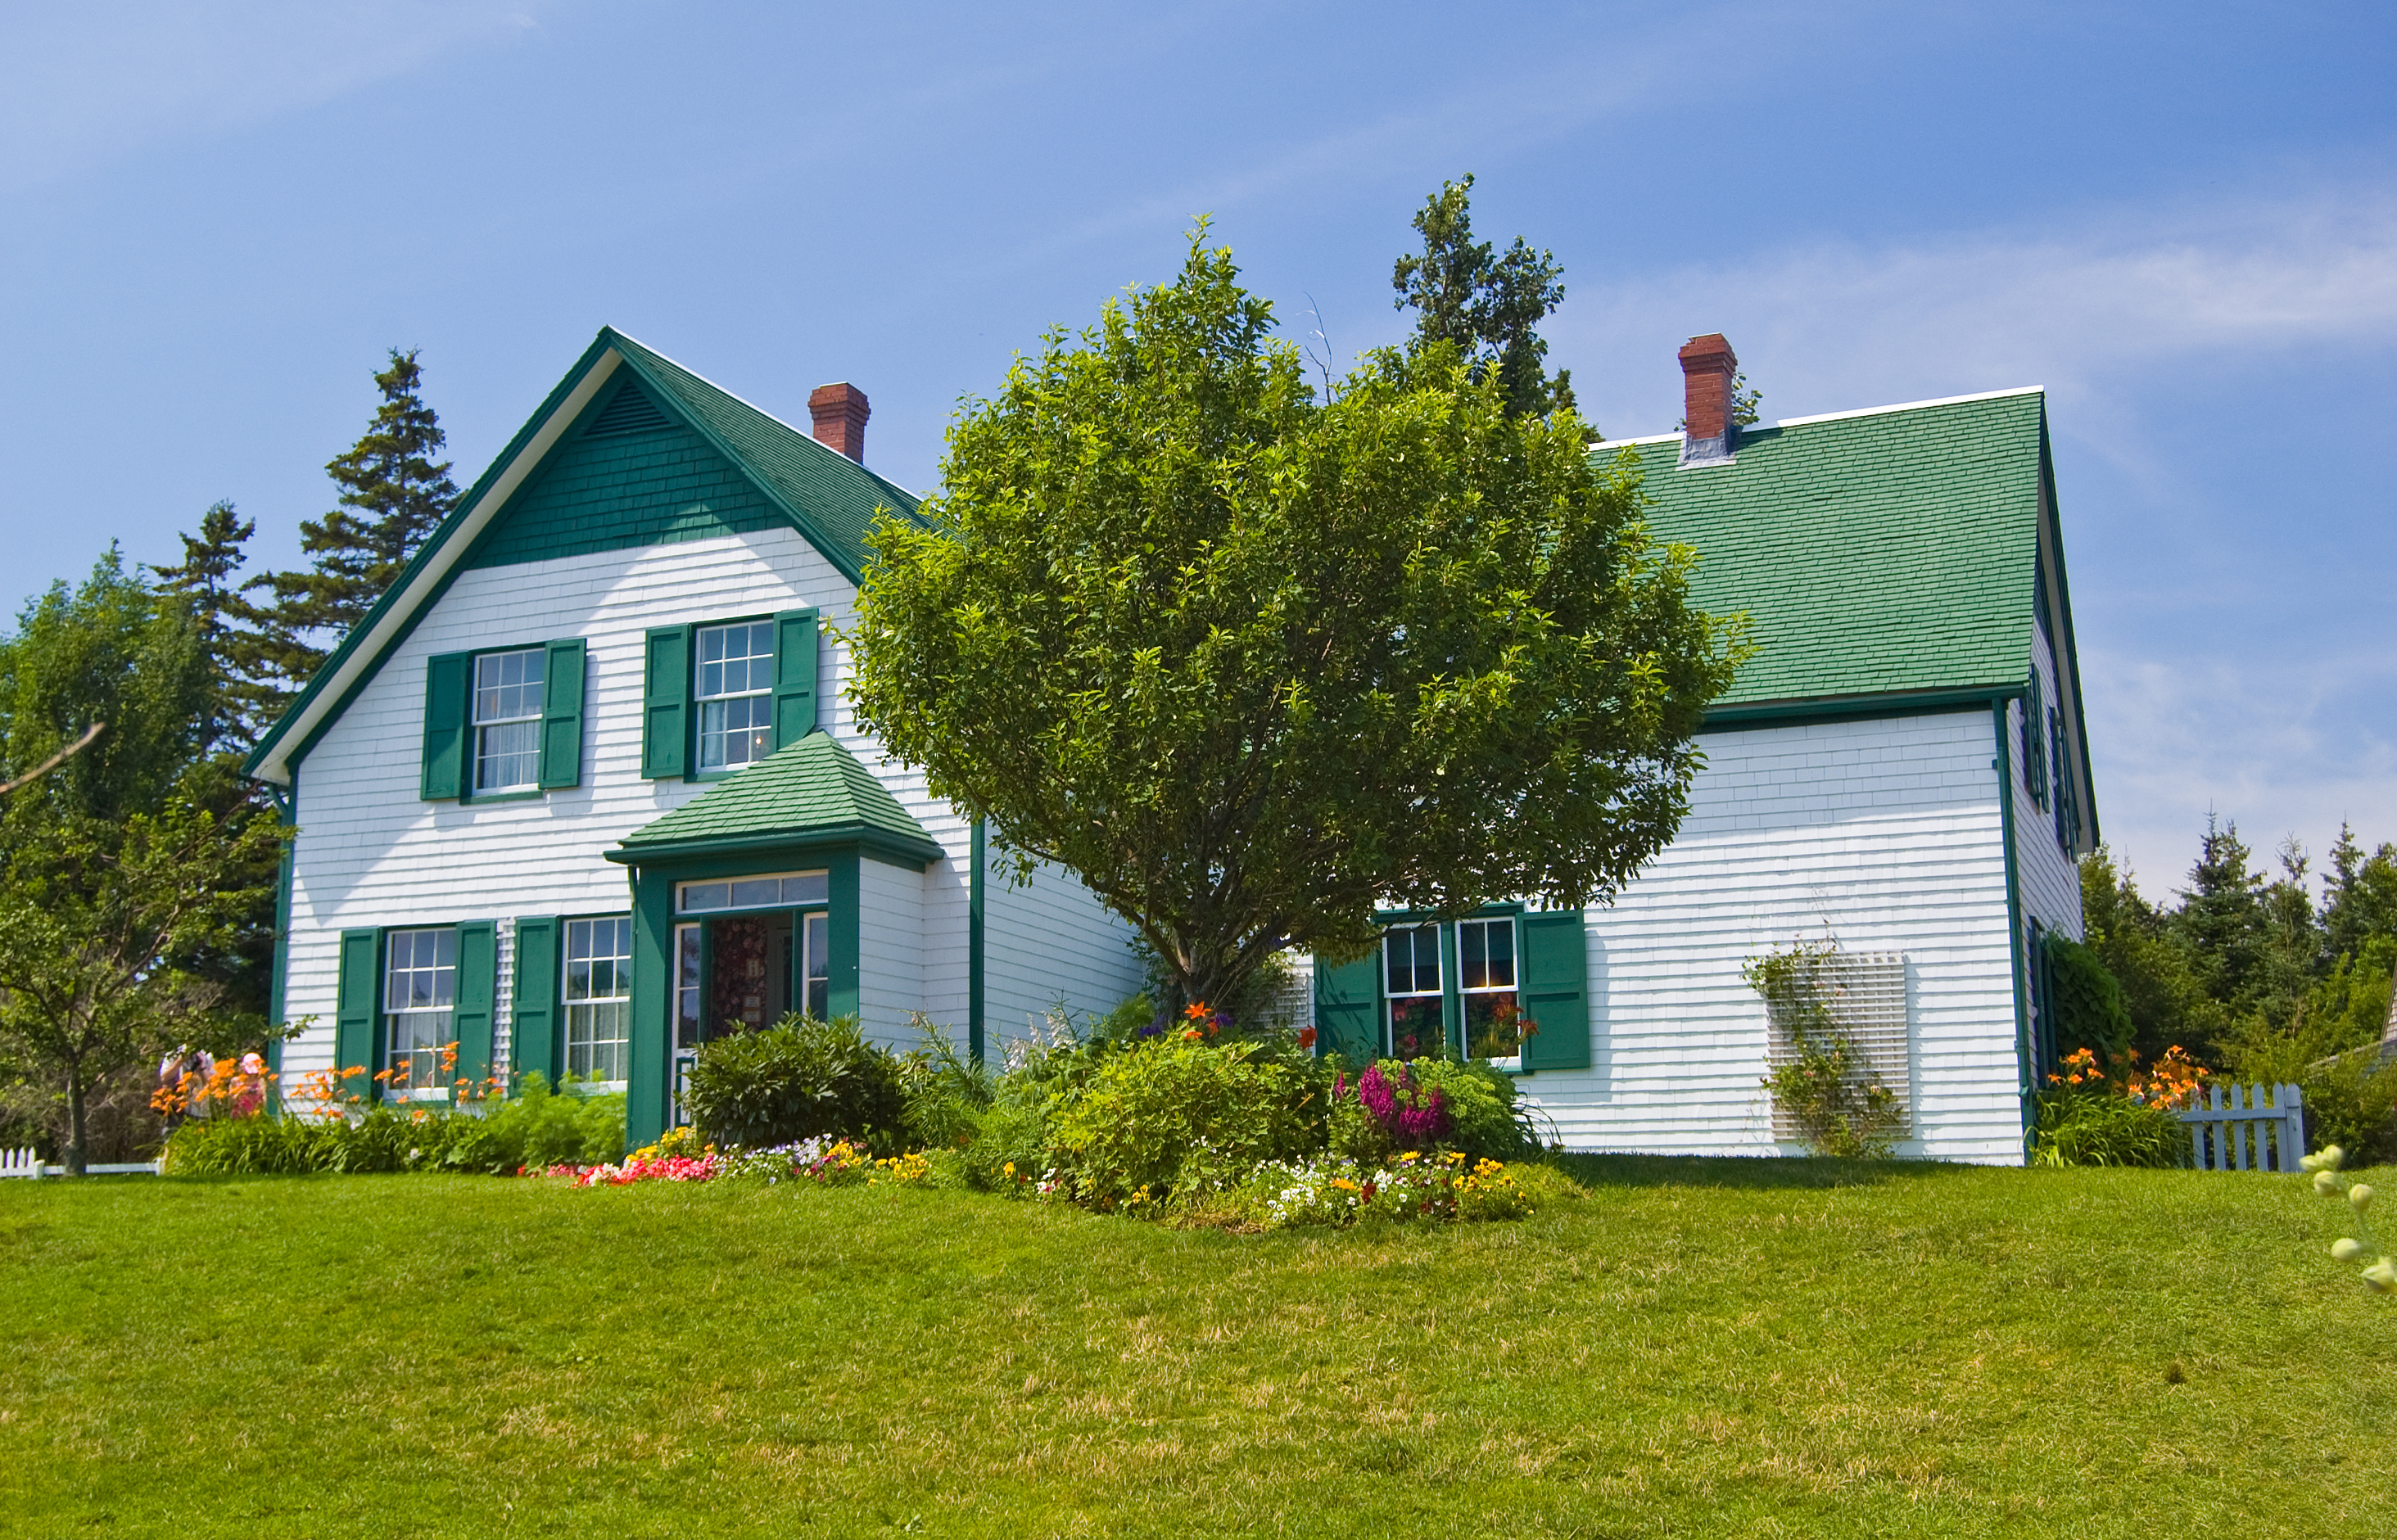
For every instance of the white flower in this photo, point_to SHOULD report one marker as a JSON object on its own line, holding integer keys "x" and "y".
{"x": 2358, "y": 1197}
{"x": 2326, "y": 1184}
{"x": 2382, "y": 1277}
{"x": 2345, "y": 1250}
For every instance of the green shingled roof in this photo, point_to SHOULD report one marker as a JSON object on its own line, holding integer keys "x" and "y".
{"x": 814, "y": 789}
{"x": 1887, "y": 552}
{"x": 834, "y": 497}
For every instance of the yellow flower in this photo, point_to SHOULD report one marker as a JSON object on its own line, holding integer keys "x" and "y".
{"x": 2345, "y": 1250}
{"x": 2358, "y": 1197}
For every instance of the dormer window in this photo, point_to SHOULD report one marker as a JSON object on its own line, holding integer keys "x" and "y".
{"x": 508, "y": 688}
{"x": 735, "y": 692}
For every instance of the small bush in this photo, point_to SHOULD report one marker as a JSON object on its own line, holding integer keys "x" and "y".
{"x": 2100, "y": 1127}
{"x": 796, "y": 1079}
{"x": 1425, "y": 1105}
{"x": 946, "y": 1095}
{"x": 1167, "y": 1116}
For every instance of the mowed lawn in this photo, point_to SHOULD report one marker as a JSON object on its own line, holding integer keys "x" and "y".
{"x": 1696, "y": 1347}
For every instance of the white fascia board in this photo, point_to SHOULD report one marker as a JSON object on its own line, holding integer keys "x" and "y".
{"x": 1836, "y": 416}
{"x": 370, "y": 651}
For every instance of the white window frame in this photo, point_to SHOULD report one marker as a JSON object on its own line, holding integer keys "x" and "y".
{"x": 755, "y": 736}
{"x": 440, "y": 1014}
{"x": 1467, "y": 991}
{"x": 810, "y": 890}
{"x": 587, "y": 1012}
{"x": 525, "y": 725}
{"x": 1436, "y": 994}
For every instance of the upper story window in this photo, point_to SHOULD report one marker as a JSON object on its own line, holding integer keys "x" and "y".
{"x": 1411, "y": 962}
{"x": 508, "y": 688}
{"x": 420, "y": 1002}
{"x": 1485, "y": 982}
{"x": 735, "y": 693}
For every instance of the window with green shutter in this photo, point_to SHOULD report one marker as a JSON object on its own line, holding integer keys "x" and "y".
{"x": 1349, "y": 1008}
{"x": 723, "y": 694}
{"x": 1507, "y": 989}
{"x": 2034, "y": 743}
{"x": 506, "y": 722}
{"x": 471, "y": 1020}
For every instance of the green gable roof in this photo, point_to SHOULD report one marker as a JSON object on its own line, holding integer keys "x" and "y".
{"x": 1881, "y": 553}
{"x": 753, "y": 471}
{"x": 810, "y": 791}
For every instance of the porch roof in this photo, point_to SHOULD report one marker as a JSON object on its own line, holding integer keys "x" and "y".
{"x": 813, "y": 791}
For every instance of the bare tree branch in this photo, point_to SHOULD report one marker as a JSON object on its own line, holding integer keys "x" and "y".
{"x": 55, "y": 761}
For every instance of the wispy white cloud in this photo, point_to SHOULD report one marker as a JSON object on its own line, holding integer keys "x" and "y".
{"x": 1825, "y": 327}
{"x": 81, "y": 83}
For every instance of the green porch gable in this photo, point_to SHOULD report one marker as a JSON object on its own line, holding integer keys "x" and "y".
{"x": 812, "y": 792}
{"x": 629, "y": 450}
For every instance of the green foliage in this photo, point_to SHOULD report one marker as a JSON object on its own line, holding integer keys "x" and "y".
{"x": 2329, "y": 1045}
{"x": 2362, "y": 902}
{"x": 1486, "y": 307}
{"x": 394, "y": 496}
{"x": 1169, "y": 1116}
{"x": 2148, "y": 959}
{"x": 796, "y": 1079}
{"x": 1296, "y": 658}
{"x": 1840, "y": 1106}
{"x": 244, "y": 695}
{"x": 946, "y": 1095}
{"x": 2101, "y": 1126}
{"x": 534, "y": 1131}
{"x": 2088, "y": 1002}
{"x": 1482, "y": 1113}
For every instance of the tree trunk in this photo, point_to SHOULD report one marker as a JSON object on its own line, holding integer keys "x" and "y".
{"x": 74, "y": 1151}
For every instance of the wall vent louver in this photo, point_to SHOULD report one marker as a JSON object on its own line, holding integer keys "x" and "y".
{"x": 630, "y": 413}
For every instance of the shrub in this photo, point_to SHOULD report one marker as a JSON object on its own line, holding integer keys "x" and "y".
{"x": 1171, "y": 1115}
{"x": 1426, "y": 1104}
{"x": 2097, "y": 1126}
{"x": 796, "y": 1079}
{"x": 534, "y": 1131}
{"x": 946, "y": 1095}
{"x": 2088, "y": 1002}
{"x": 2351, "y": 1102}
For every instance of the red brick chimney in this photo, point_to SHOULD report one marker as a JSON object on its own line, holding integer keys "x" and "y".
{"x": 1709, "y": 366}
{"x": 840, "y": 412}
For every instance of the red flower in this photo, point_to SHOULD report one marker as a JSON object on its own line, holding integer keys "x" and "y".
{"x": 1307, "y": 1037}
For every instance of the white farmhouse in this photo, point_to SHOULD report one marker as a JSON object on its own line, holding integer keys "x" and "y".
{"x": 585, "y": 785}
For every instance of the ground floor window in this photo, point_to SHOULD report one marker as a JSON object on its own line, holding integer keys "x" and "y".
{"x": 1410, "y": 965}
{"x": 420, "y": 995}
{"x": 1485, "y": 982}
{"x": 599, "y": 997}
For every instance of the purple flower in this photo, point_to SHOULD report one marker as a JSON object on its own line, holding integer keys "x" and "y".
{"x": 1381, "y": 1098}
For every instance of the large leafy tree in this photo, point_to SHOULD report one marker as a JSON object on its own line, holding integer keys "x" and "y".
{"x": 393, "y": 495}
{"x": 1252, "y": 664}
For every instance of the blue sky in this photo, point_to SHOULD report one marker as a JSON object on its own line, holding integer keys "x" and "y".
{"x": 213, "y": 222}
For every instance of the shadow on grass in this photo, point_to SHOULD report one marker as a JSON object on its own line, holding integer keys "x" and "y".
{"x": 1755, "y": 1173}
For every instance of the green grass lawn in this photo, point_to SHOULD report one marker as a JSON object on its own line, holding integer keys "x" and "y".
{"x": 1698, "y": 1347}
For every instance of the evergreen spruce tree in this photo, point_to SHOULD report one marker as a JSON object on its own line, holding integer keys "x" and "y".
{"x": 245, "y": 696}
{"x": 2222, "y": 916}
{"x": 1489, "y": 305}
{"x": 2361, "y": 902}
{"x": 393, "y": 495}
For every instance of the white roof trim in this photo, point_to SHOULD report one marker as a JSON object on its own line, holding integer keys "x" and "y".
{"x": 1835, "y": 416}
{"x": 1907, "y": 406}
{"x": 277, "y": 768}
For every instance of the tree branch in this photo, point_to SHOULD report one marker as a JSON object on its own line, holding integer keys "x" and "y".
{"x": 54, "y": 761}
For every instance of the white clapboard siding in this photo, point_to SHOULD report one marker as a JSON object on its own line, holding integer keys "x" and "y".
{"x": 1050, "y": 942}
{"x": 889, "y": 951}
{"x": 1881, "y": 834}
{"x": 371, "y": 853}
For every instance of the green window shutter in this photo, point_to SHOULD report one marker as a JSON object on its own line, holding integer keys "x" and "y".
{"x": 665, "y": 703}
{"x": 532, "y": 1018}
{"x": 1349, "y": 1008}
{"x": 446, "y": 681}
{"x": 478, "y": 982}
{"x": 561, "y": 714}
{"x": 794, "y": 676}
{"x": 354, "y": 1020}
{"x": 1556, "y": 989}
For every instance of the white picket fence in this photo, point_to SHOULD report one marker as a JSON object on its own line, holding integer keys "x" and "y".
{"x": 26, "y": 1162}
{"x": 2246, "y": 1133}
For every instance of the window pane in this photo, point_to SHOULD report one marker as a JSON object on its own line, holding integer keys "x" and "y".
{"x": 756, "y": 892}
{"x": 507, "y": 758}
{"x": 1413, "y": 960}
{"x": 686, "y": 985}
{"x": 699, "y": 896}
{"x": 1415, "y": 1030}
{"x": 807, "y": 888}
{"x": 508, "y": 685}
{"x": 735, "y": 659}
{"x": 423, "y": 970}
{"x": 819, "y": 965}
{"x": 1493, "y": 1025}
{"x": 1485, "y": 951}
{"x": 735, "y": 732}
